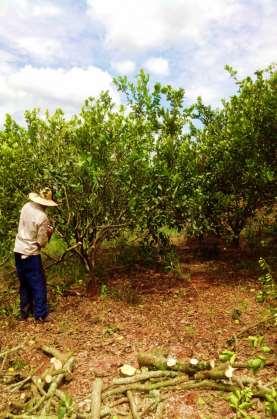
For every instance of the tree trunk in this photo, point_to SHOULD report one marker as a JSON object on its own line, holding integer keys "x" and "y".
{"x": 91, "y": 286}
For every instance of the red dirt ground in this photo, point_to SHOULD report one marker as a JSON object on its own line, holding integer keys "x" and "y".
{"x": 186, "y": 317}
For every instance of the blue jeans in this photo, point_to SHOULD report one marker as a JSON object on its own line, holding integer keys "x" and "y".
{"x": 32, "y": 290}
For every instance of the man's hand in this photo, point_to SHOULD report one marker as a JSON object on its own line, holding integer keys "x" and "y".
{"x": 50, "y": 230}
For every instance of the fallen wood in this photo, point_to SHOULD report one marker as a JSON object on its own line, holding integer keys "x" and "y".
{"x": 38, "y": 385}
{"x": 12, "y": 350}
{"x": 4, "y": 361}
{"x": 208, "y": 385}
{"x": 148, "y": 359}
{"x": 119, "y": 401}
{"x": 245, "y": 380}
{"x": 32, "y": 416}
{"x": 144, "y": 376}
{"x": 267, "y": 363}
{"x": 105, "y": 411}
{"x": 221, "y": 386}
{"x": 16, "y": 386}
{"x": 55, "y": 353}
{"x": 96, "y": 398}
{"x": 160, "y": 411}
{"x": 143, "y": 387}
{"x": 150, "y": 407}
{"x": 217, "y": 373}
{"x": 132, "y": 405}
{"x": 53, "y": 386}
{"x": 43, "y": 397}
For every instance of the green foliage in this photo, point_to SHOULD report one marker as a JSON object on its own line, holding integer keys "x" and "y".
{"x": 150, "y": 163}
{"x": 171, "y": 263}
{"x": 104, "y": 291}
{"x": 237, "y": 142}
{"x": 240, "y": 401}
{"x": 255, "y": 364}
{"x": 269, "y": 288}
{"x": 227, "y": 356}
{"x": 271, "y": 402}
{"x": 65, "y": 407}
{"x": 256, "y": 341}
{"x": 10, "y": 309}
{"x": 59, "y": 289}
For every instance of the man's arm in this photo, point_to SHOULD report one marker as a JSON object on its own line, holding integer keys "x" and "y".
{"x": 44, "y": 233}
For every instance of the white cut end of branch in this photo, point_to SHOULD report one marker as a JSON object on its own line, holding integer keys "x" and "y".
{"x": 229, "y": 372}
{"x": 48, "y": 379}
{"x": 84, "y": 405}
{"x": 56, "y": 363}
{"x": 171, "y": 361}
{"x": 193, "y": 361}
{"x": 127, "y": 370}
{"x": 212, "y": 363}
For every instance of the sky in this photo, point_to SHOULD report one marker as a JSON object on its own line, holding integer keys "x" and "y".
{"x": 56, "y": 53}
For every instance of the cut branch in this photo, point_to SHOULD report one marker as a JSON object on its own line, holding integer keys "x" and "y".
{"x": 149, "y": 359}
{"x": 145, "y": 376}
{"x": 143, "y": 387}
{"x": 10, "y": 351}
{"x": 96, "y": 398}
{"x": 132, "y": 405}
{"x": 49, "y": 350}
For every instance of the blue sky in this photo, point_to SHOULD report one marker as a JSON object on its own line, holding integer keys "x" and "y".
{"x": 55, "y": 53}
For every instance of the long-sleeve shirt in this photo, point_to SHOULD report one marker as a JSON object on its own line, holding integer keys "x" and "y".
{"x": 32, "y": 230}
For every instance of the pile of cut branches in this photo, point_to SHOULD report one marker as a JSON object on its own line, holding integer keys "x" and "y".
{"x": 140, "y": 393}
{"x": 158, "y": 372}
{"x": 33, "y": 396}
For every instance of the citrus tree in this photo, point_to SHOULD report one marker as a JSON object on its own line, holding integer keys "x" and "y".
{"x": 236, "y": 156}
{"x": 32, "y": 157}
{"x": 145, "y": 164}
{"x": 157, "y": 116}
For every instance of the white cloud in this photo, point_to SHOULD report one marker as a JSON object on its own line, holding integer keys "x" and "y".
{"x": 124, "y": 67}
{"x": 63, "y": 42}
{"x": 198, "y": 37}
{"x": 7, "y": 62}
{"x": 50, "y": 88}
{"x": 132, "y": 25}
{"x": 260, "y": 50}
{"x": 37, "y": 8}
{"x": 46, "y": 9}
{"x": 32, "y": 29}
{"x": 247, "y": 42}
{"x": 158, "y": 66}
{"x": 40, "y": 47}
{"x": 208, "y": 94}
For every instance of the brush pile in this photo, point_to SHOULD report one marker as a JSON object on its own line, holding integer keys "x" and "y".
{"x": 137, "y": 393}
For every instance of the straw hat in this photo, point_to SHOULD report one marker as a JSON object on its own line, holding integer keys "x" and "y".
{"x": 44, "y": 197}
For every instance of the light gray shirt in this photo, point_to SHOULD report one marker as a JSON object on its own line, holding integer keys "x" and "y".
{"x": 32, "y": 230}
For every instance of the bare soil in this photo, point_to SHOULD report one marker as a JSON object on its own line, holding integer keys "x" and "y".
{"x": 143, "y": 309}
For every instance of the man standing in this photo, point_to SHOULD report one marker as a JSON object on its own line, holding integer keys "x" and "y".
{"x": 34, "y": 232}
